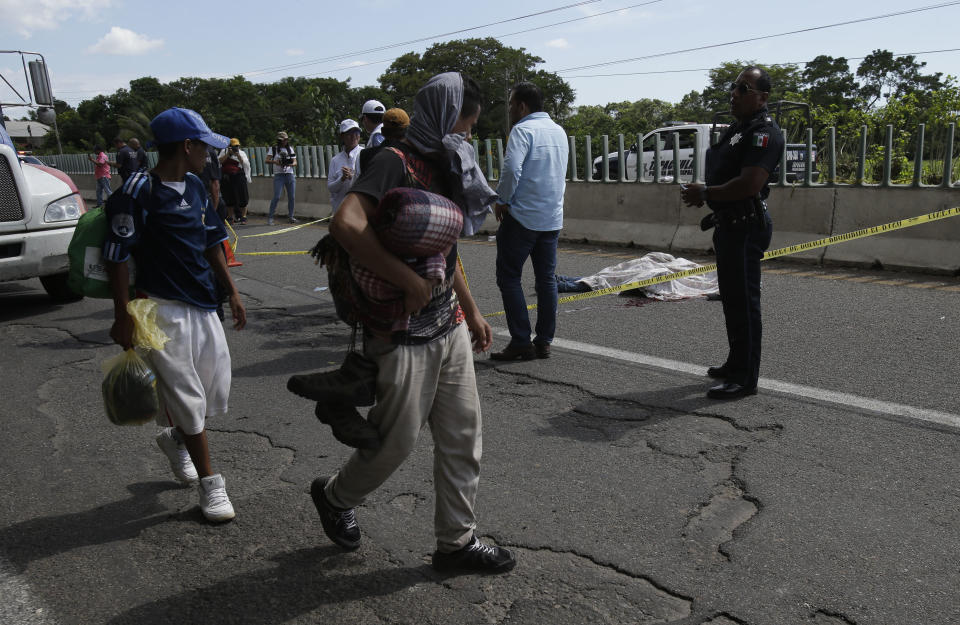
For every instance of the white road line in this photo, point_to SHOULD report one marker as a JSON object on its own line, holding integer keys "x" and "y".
{"x": 806, "y": 392}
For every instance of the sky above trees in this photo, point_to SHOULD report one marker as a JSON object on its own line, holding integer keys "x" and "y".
{"x": 98, "y": 47}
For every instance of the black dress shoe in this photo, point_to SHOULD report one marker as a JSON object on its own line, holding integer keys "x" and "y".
{"x": 731, "y": 390}
{"x": 721, "y": 372}
{"x": 515, "y": 352}
{"x": 542, "y": 350}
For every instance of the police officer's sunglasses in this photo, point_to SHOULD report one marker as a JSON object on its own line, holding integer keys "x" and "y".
{"x": 742, "y": 88}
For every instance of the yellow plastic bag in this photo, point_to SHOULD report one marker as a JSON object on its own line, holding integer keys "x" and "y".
{"x": 146, "y": 332}
{"x": 129, "y": 389}
{"x": 129, "y": 385}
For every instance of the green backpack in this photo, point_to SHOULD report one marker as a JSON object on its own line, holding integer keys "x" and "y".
{"x": 88, "y": 270}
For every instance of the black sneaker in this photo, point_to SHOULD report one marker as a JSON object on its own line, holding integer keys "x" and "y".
{"x": 348, "y": 425}
{"x": 476, "y": 557}
{"x": 340, "y": 526}
{"x": 354, "y": 383}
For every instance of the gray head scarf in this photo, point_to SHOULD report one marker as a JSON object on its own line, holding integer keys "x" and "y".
{"x": 435, "y": 112}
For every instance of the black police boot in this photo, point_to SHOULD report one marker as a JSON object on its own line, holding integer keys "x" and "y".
{"x": 348, "y": 426}
{"x": 354, "y": 383}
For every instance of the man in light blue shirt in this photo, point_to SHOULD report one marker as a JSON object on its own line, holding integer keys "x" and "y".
{"x": 530, "y": 212}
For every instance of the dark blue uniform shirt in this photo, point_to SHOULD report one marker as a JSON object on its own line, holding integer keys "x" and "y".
{"x": 755, "y": 143}
{"x": 167, "y": 233}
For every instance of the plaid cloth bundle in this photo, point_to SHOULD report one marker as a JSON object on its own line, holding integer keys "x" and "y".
{"x": 418, "y": 226}
{"x": 416, "y": 223}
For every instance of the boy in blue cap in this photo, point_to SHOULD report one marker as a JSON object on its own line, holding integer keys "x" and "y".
{"x": 178, "y": 260}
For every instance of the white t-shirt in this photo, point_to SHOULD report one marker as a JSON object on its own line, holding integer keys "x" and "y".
{"x": 338, "y": 186}
{"x": 283, "y": 150}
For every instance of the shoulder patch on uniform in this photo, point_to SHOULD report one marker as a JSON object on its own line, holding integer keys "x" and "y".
{"x": 760, "y": 140}
{"x": 122, "y": 225}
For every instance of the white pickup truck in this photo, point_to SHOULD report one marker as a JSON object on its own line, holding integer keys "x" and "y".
{"x": 688, "y": 136}
{"x": 39, "y": 209}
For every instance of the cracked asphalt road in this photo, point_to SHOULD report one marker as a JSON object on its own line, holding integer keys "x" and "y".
{"x": 627, "y": 495}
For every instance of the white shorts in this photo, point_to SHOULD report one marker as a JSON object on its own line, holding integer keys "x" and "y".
{"x": 193, "y": 369}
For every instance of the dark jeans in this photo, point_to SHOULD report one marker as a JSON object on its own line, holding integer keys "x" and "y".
{"x": 739, "y": 248}
{"x": 514, "y": 245}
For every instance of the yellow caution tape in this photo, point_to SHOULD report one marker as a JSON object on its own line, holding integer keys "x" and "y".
{"x": 462, "y": 271}
{"x": 783, "y": 251}
{"x": 285, "y": 230}
{"x": 236, "y": 239}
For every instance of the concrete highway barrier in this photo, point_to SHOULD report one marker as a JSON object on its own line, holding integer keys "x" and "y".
{"x": 652, "y": 217}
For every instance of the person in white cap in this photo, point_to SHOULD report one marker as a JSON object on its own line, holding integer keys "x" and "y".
{"x": 372, "y": 119}
{"x": 343, "y": 166}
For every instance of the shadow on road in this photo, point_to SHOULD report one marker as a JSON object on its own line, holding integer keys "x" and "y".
{"x": 21, "y": 302}
{"x": 615, "y": 416}
{"x": 304, "y": 580}
{"x": 121, "y": 520}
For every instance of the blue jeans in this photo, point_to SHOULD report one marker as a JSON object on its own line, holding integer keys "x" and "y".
{"x": 103, "y": 190}
{"x": 279, "y": 182}
{"x": 514, "y": 245}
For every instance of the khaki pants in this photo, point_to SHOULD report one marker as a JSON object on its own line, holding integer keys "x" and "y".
{"x": 418, "y": 384}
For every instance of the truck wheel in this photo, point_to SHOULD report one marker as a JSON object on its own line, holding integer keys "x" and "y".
{"x": 56, "y": 287}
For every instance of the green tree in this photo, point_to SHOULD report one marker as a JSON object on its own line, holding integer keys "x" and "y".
{"x": 784, "y": 80}
{"x": 590, "y": 120}
{"x": 884, "y": 75}
{"x": 828, "y": 82}
{"x": 495, "y": 67}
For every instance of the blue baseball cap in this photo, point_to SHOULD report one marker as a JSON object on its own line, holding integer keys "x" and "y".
{"x": 176, "y": 124}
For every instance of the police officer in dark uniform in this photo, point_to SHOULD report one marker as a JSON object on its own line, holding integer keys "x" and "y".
{"x": 738, "y": 168}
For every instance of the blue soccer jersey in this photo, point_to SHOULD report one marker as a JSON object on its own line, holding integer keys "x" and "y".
{"x": 167, "y": 233}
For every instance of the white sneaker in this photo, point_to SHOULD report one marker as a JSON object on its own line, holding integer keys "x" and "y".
{"x": 179, "y": 457}
{"x": 214, "y": 502}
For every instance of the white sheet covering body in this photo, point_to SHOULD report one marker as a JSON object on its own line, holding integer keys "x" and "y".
{"x": 652, "y": 265}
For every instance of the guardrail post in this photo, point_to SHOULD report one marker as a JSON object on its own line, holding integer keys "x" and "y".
{"x": 918, "y": 157}
{"x": 832, "y": 153}
{"x": 488, "y": 148}
{"x": 655, "y": 165}
{"x": 783, "y": 161}
{"x": 302, "y": 167}
{"x": 573, "y": 158}
{"x": 621, "y": 160}
{"x": 676, "y": 158}
{"x": 588, "y": 164}
{"x": 887, "y": 156}
{"x": 315, "y": 156}
{"x": 639, "y": 167}
{"x": 862, "y": 156}
{"x": 262, "y": 153}
{"x": 605, "y": 172}
{"x": 808, "y": 179}
{"x": 948, "y": 157}
{"x": 328, "y": 152}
